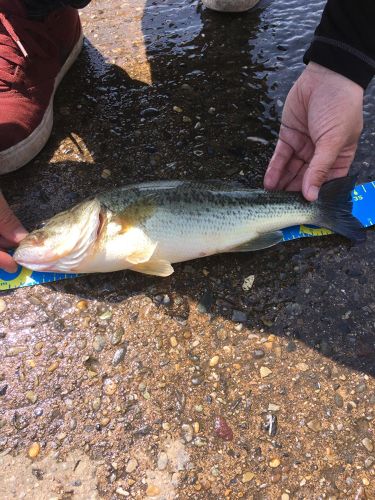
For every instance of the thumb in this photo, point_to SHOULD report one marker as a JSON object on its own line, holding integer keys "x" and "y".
{"x": 10, "y": 226}
{"x": 324, "y": 158}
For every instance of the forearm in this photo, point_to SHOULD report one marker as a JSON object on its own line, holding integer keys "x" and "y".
{"x": 344, "y": 41}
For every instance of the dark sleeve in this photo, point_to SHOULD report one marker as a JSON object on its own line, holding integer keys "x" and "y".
{"x": 344, "y": 41}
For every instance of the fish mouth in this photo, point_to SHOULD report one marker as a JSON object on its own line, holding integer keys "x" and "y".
{"x": 39, "y": 252}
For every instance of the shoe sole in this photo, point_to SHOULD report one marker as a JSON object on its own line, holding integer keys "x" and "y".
{"x": 230, "y": 5}
{"x": 18, "y": 155}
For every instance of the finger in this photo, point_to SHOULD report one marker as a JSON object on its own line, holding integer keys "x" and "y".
{"x": 10, "y": 227}
{"x": 290, "y": 172}
{"x": 4, "y": 243}
{"x": 283, "y": 153}
{"x": 296, "y": 183}
{"x": 324, "y": 158}
{"x": 7, "y": 263}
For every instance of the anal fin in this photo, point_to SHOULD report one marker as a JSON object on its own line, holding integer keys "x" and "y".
{"x": 264, "y": 241}
{"x": 154, "y": 267}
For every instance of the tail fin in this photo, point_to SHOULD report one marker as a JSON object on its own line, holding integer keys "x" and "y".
{"x": 335, "y": 209}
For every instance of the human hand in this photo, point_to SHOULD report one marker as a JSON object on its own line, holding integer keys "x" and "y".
{"x": 321, "y": 124}
{"x": 11, "y": 233}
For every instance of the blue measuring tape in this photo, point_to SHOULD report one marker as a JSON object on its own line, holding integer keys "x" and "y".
{"x": 363, "y": 209}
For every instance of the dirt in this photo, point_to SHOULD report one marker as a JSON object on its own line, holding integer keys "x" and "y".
{"x": 189, "y": 386}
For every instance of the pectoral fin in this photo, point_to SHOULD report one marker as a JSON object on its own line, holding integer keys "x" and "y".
{"x": 154, "y": 267}
{"x": 264, "y": 241}
{"x": 141, "y": 256}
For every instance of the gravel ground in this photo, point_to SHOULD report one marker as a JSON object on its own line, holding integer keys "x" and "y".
{"x": 240, "y": 376}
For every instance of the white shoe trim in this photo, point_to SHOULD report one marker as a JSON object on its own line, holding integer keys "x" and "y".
{"x": 21, "y": 153}
{"x": 230, "y": 5}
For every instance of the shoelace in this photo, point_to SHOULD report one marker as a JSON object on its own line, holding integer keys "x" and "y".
{"x": 9, "y": 28}
{"x": 10, "y": 56}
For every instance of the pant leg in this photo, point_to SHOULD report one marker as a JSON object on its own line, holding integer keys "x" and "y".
{"x": 41, "y": 8}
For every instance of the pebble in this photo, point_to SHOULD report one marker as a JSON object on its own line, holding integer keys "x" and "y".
{"x": 247, "y": 476}
{"x": 291, "y": 346}
{"x": 214, "y": 361}
{"x": 339, "y": 402}
{"x": 149, "y": 112}
{"x": 205, "y": 302}
{"x": 2, "y": 305}
{"x": 119, "y": 356}
{"x": 325, "y": 347}
{"x": 186, "y": 119}
{"x": 81, "y": 344}
{"x": 368, "y": 444}
{"x": 187, "y": 432}
{"x": 196, "y": 380}
{"x": 271, "y": 425}
{"x": 117, "y": 336}
{"x": 31, "y": 396}
{"x": 166, "y": 426}
{"x": 82, "y": 305}
{"x": 275, "y": 462}
{"x": 239, "y": 316}
{"x": 177, "y": 109}
{"x": 215, "y": 471}
{"x": 186, "y": 86}
{"x": 52, "y": 367}
{"x": 105, "y": 173}
{"x": 248, "y": 283}
{"x": 120, "y": 491}
{"x": 212, "y": 111}
{"x": 34, "y": 450}
{"x": 106, "y": 315}
{"x": 162, "y": 461}
{"x": 222, "y": 429}
{"x": 152, "y": 491}
{"x": 14, "y": 351}
{"x": 173, "y": 341}
{"x": 196, "y": 427}
{"x": 264, "y": 371}
{"x": 104, "y": 421}
{"x": 314, "y": 425}
{"x": 98, "y": 343}
{"x": 303, "y": 367}
{"x": 110, "y": 387}
{"x": 96, "y": 403}
{"x": 131, "y": 465}
{"x": 73, "y": 424}
{"x": 273, "y": 407}
{"x": 38, "y": 412}
{"x": 258, "y": 354}
{"x": 285, "y": 496}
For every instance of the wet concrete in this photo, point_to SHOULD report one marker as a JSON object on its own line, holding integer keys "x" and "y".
{"x": 189, "y": 386}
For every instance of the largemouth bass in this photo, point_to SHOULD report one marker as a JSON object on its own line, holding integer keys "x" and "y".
{"x": 147, "y": 227}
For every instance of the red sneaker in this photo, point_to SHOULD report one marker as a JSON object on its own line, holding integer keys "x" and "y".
{"x": 34, "y": 57}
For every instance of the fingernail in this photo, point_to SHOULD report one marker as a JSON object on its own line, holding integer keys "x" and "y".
{"x": 268, "y": 182}
{"x": 11, "y": 269}
{"x": 312, "y": 193}
{"x": 20, "y": 234}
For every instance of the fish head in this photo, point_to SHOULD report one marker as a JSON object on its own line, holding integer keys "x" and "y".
{"x": 63, "y": 241}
